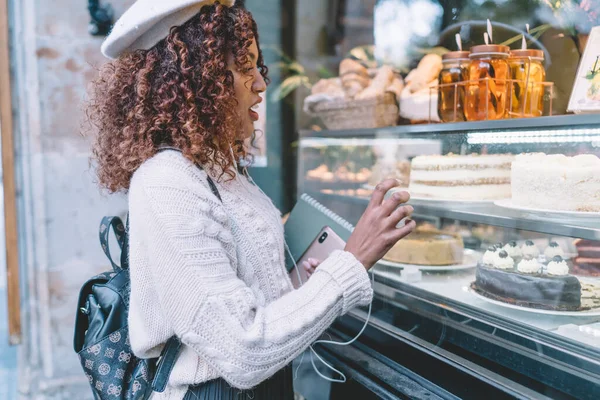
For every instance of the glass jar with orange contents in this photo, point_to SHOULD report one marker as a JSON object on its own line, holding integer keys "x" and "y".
{"x": 527, "y": 83}
{"x": 451, "y": 89}
{"x": 487, "y": 87}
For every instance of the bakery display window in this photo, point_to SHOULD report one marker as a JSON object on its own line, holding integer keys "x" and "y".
{"x": 501, "y": 280}
{"x": 375, "y": 63}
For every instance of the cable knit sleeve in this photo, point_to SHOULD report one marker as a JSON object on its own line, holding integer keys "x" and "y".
{"x": 193, "y": 262}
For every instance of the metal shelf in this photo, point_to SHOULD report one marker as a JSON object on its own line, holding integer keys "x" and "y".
{"x": 498, "y": 216}
{"x": 520, "y": 124}
{"x": 501, "y": 217}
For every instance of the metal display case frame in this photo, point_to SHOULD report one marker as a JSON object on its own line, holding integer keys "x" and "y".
{"x": 448, "y": 346}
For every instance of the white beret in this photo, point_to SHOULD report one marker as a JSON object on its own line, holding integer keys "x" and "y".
{"x": 147, "y": 22}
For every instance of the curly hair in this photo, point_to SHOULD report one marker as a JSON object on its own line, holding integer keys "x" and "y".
{"x": 179, "y": 93}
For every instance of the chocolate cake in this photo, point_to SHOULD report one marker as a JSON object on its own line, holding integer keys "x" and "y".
{"x": 542, "y": 291}
{"x": 588, "y": 261}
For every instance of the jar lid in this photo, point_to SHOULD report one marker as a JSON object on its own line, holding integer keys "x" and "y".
{"x": 539, "y": 54}
{"x": 455, "y": 55}
{"x": 490, "y": 49}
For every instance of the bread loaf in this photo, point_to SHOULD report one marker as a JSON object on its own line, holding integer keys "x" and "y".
{"x": 332, "y": 87}
{"x": 383, "y": 79}
{"x": 428, "y": 70}
{"x": 351, "y": 66}
{"x": 396, "y": 87}
{"x": 354, "y": 76}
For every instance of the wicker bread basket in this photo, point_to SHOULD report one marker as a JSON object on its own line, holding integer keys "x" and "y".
{"x": 374, "y": 112}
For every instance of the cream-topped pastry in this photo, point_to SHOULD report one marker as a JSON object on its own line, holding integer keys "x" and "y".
{"x": 553, "y": 250}
{"x": 513, "y": 250}
{"x": 530, "y": 250}
{"x": 558, "y": 267}
{"x": 531, "y": 266}
{"x": 489, "y": 256}
{"x": 504, "y": 261}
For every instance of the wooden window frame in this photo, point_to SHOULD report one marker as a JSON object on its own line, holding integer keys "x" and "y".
{"x": 8, "y": 172}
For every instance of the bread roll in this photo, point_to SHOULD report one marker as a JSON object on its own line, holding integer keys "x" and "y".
{"x": 351, "y": 66}
{"x": 354, "y": 83}
{"x": 332, "y": 87}
{"x": 428, "y": 69}
{"x": 396, "y": 87}
{"x": 383, "y": 79}
{"x": 353, "y": 77}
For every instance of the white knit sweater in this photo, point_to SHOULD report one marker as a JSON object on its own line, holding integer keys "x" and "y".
{"x": 213, "y": 274}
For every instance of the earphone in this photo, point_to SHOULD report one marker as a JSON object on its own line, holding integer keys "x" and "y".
{"x": 343, "y": 378}
{"x": 348, "y": 343}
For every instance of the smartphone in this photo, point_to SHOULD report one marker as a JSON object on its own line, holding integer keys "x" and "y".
{"x": 325, "y": 243}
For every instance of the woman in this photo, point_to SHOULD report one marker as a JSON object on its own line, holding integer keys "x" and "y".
{"x": 173, "y": 111}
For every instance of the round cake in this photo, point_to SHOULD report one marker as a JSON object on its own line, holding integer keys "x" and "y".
{"x": 556, "y": 182}
{"x": 427, "y": 246}
{"x": 587, "y": 262}
{"x": 383, "y": 170}
{"x": 529, "y": 284}
{"x": 461, "y": 177}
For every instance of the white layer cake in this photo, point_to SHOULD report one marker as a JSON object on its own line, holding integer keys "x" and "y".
{"x": 556, "y": 182}
{"x": 470, "y": 177}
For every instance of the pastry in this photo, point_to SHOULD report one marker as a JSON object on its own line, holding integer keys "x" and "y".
{"x": 317, "y": 173}
{"x": 490, "y": 256}
{"x": 503, "y": 261}
{"x": 427, "y": 246}
{"x": 553, "y": 250}
{"x": 331, "y": 87}
{"x": 428, "y": 70}
{"x": 558, "y": 267}
{"x": 379, "y": 84}
{"x": 420, "y": 106}
{"x": 348, "y": 66}
{"x": 530, "y": 250}
{"x": 354, "y": 77}
{"x": 529, "y": 266}
{"x": 469, "y": 177}
{"x": 513, "y": 250}
{"x": 396, "y": 87}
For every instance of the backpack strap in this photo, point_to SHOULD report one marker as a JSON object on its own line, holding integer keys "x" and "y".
{"x": 166, "y": 363}
{"x": 116, "y": 225}
{"x": 211, "y": 183}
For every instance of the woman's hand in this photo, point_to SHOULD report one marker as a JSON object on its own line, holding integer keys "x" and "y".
{"x": 310, "y": 266}
{"x": 376, "y": 231}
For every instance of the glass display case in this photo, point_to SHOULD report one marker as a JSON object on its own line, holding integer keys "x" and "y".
{"x": 498, "y": 293}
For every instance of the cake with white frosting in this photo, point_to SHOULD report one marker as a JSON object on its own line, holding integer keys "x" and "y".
{"x": 466, "y": 177}
{"x": 556, "y": 182}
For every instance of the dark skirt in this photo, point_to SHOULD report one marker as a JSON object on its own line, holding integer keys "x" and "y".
{"x": 280, "y": 386}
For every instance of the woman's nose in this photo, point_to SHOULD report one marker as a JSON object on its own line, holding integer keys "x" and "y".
{"x": 259, "y": 84}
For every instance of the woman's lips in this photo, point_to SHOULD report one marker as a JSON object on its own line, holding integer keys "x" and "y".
{"x": 253, "y": 115}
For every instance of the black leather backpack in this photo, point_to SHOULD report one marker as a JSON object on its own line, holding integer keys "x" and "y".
{"x": 101, "y": 332}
